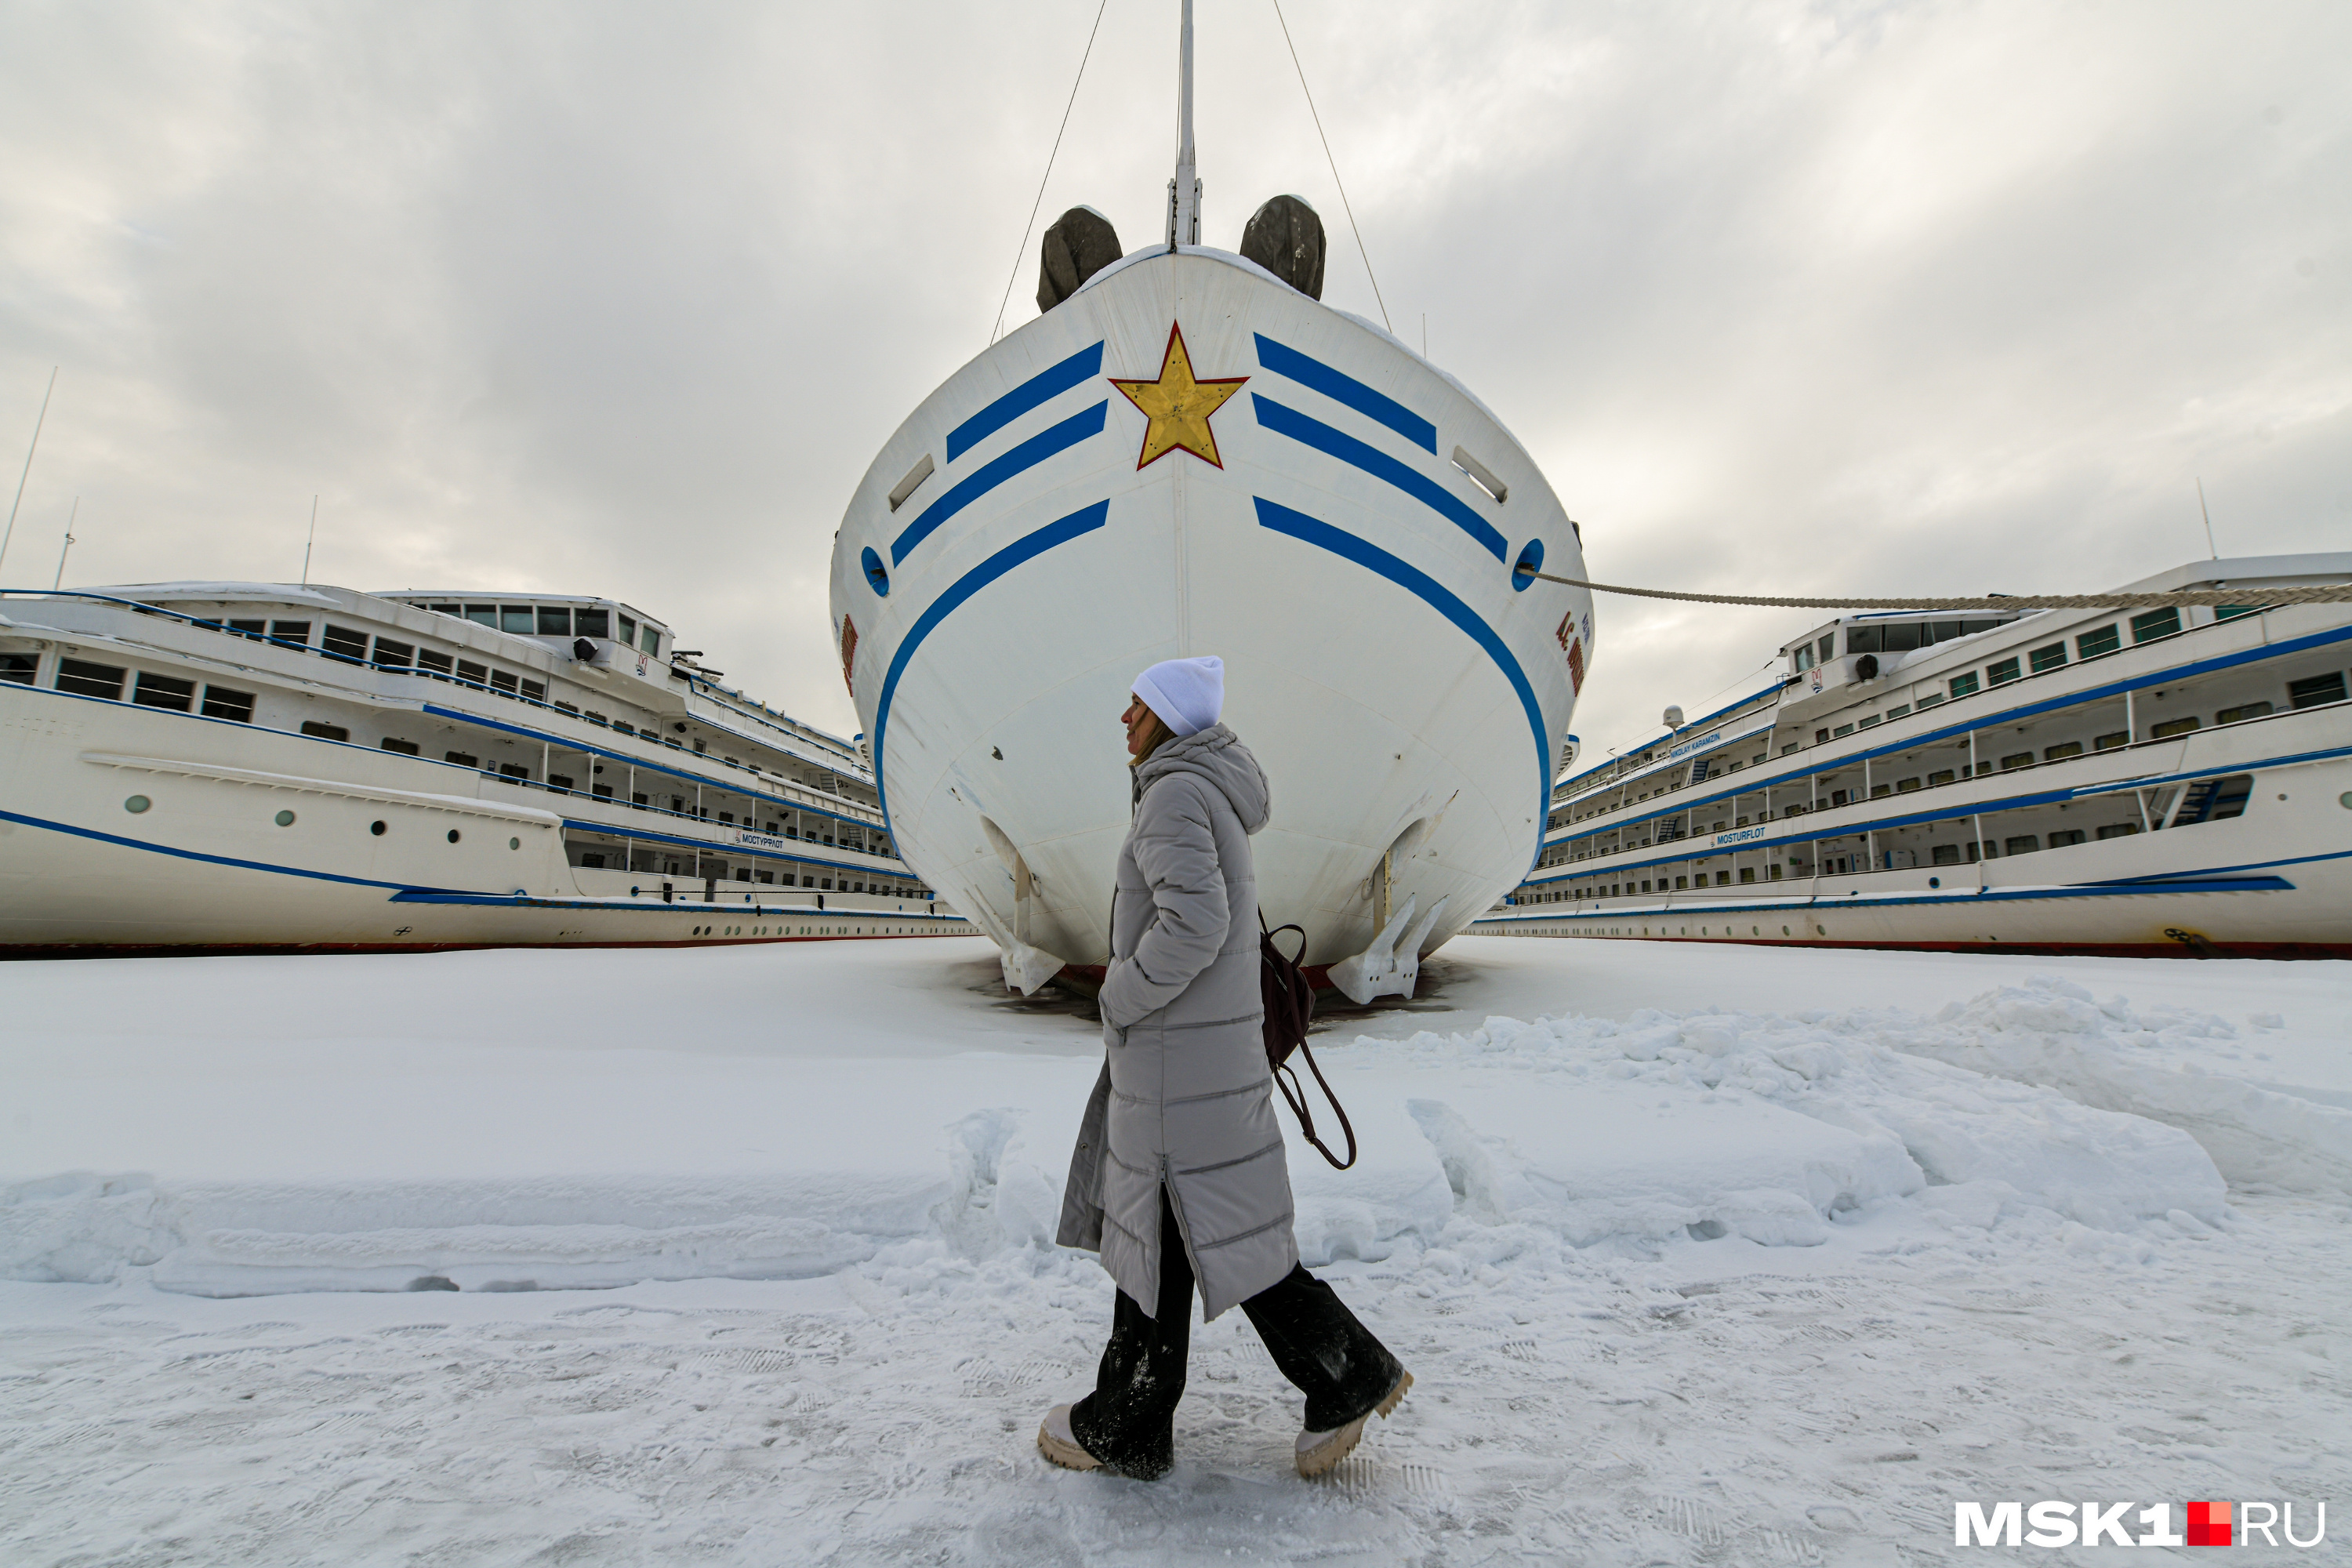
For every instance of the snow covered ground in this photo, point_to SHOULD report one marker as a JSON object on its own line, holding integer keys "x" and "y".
{"x": 1721, "y": 1254}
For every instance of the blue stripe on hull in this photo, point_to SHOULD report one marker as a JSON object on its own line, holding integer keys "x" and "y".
{"x": 1042, "y": 387}
{"x": 1028, "y": 548}
{"x": 1341, "y": 388}
{"x": 1054, "y": 439}
{"x": 1365, "y": 553}
{"x": 1312, "y": 432}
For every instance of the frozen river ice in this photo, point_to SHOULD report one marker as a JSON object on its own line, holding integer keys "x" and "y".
{"x": 1697, "y": 1255}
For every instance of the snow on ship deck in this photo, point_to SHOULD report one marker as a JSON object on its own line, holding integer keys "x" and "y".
{"x": 1670, "y": 1279}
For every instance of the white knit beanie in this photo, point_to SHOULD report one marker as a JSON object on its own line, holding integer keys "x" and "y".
{"x": 1187, "y": 693}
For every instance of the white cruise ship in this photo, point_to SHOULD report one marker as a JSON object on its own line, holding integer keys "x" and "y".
{"x": 207, "y": 767}
{"x": 2170, "y": 781}
{"x": 1189, "y": 453}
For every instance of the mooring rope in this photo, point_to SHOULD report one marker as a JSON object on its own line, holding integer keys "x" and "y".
{"x": 2250, "y": 598}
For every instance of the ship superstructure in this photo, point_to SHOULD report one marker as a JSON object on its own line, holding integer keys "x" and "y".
{"x": 2172, "y": 780}
{"x": 260, "y": 765}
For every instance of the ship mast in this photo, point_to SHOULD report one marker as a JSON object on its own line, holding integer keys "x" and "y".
{"x": 1184, "y": 189}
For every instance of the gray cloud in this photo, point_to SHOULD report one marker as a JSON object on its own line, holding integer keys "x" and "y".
{"x": 1859, "y": 298}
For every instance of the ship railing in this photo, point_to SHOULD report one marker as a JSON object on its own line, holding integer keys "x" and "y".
{"x": 702, "y": 819}
{"x": 763, "y": 783}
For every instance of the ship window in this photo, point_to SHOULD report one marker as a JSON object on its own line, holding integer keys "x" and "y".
{"x": 2091, "y": 644}
{"x": 742, "y": 873}
{"x": 535, "y": 690}
{"x": 1898, "y": 711}
{"x": 1869, "y": 719}
{"x": 2024, "y": 844}
{"x": 2155, "y": 624}
{"x": 2233, "y": 715}
{"x": 628, "y": 629}
{"x": 503, "y": 680}
{"x": 2171, "y": 727}
{"x": 2060, "y": 752}
{"x": 515, "y": 771}
{"x": 1944, "y": 854}
{"x": 637, "y": 800}
{"x": 86, "y": 679}
{"x": 1939, "y": 631}
{"x": 559, "y": 781}
{"x": 1929, "y": 699}
{"x": 1802, "y": 659}
{"x": 342, "y": 642}
{"x": 1900, "y": 639}
{"x": 19, "y": 667}
{"x": 1843, "y": 729}
{"x": 595, "y": 623}
{"x": 2231, "y": 612}
{"x": 1862, "y": 640}
{"x": 2003, "y": 673}
{"x": 1964, "y": 685}
{"x": 256, "y": 630}
{"x": 2050, "y": 658}
{"x": 2066, "y": 836}
{"x": 325, "y": 732}
{"x": 457, "y": 610}
{"x": 1877, "y": 790}
{"x": 395, "y": 743}
{"x": 1827, "y": 647}
{"x": 1747, "y": 873}
{"x": 483, "y": 615}
{"x": 727, "y": 816}
{"x": 2109, "y": 743}
{"x": 220, "y": 703}
{"x": 2119, "y": 830}
{"x": 593, "y": 862}
{"x": 1939, "y": 777}
{"x": 477, "y": 674}
{"x": 2017, "y": 759}
{"x": 391, "y": 654}
{"x": 435, "y": 663}
{"x": 651, "y": 641}
{"x": 2319, "y": 689}
{"x": 517, "y": 620}
{"x": 555, "y": 620}
{"x": 154, "y": 690}
{"x": 602, "y": 792}
{"x": 1905, "y": 786}
{"x": 291, "y": 632}
{"x": 463, "y": 760}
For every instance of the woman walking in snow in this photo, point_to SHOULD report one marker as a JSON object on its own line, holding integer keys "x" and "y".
{"x": 1179, "y": 1178}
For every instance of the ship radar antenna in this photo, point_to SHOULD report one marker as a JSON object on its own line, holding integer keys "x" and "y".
{"x": 1184, "y": 189}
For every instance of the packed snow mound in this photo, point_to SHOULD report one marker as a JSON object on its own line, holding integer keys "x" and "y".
{"x": 1658, "y": 1130}
{"x": 2193, "y": 1070}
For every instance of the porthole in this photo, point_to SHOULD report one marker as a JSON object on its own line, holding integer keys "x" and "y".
{"x": 514, "y": 843}
{"x": 1823, "y": 931}
{"x": 284, "y": 819}
{"x": 878, "y": 577}
{"x": 2345, "y": 800}
{"x": 139, "y": 803}
{"x": 376, "y": 829}
{"x": 453, "y": 835}
{"x": 1784, "y": 931}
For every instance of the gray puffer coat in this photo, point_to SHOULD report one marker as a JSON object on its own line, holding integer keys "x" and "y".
{"x": 1185, "y": 1099}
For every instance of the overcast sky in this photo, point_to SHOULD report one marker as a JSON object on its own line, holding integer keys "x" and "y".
{"x": 1865, "y": 298}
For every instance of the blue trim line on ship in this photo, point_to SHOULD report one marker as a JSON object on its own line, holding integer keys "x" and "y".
{"x": 1043, "y": 387}
{"x": 1028, "y": 548}
{"x": 1823, "y": 903}
{"x": 1696, "y": 848}
{"x": 1363, "y": 553}
{"x": 1309, "y": 431}
{"x": 2170, "y": 675}
{"x": 1054, "y": 439}
{"x": 1340, "y": 387}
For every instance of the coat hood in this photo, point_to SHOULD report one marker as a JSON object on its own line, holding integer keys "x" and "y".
{"x": 1216, "y": 755}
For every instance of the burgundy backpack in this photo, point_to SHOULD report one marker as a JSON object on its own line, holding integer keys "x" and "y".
{"x": 1289, "y": 1008}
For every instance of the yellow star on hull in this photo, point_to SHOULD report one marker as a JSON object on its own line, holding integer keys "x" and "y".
{"x": 1177, "y": 405}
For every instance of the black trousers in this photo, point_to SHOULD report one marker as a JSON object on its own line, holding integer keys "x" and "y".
{"x": 1128, "y": 1422}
